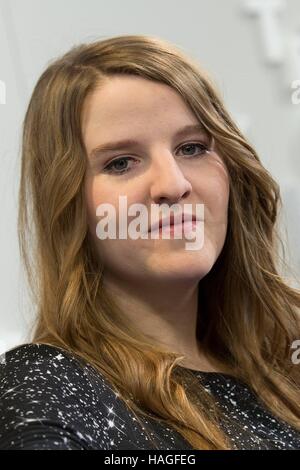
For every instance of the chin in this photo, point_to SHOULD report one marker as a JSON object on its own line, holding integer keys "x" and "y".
{"x": 184, "y": 267}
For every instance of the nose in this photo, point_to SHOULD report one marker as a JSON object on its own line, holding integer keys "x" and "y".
{"x": 168, "y": 182}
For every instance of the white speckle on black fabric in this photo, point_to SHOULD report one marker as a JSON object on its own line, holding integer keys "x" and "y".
{"x": 246, "y": 420}
{"x": 50, "y": 400}
{"x": 2, "y": 358}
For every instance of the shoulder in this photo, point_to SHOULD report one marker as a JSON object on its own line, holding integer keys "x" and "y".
{"x": 31, "y": 366}
{"x": 49, "y": 399}
{"x": 45, "y": 388}
{"x": 35, "y": 356}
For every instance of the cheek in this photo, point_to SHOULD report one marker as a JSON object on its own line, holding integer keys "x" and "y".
{"x": 217, "y": 199}
{"x": 100, "y": 192}
{"x": 213, "y": 191}
{"x": 97, "y": 193}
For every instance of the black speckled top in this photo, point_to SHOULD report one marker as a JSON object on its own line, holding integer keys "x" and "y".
{"x": 48, "y": 400}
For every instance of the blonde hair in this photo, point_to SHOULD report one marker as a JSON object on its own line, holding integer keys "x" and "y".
{"x": 249, "y": 314}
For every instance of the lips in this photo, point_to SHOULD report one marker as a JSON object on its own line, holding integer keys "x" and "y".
{"x": 172, "y": 220}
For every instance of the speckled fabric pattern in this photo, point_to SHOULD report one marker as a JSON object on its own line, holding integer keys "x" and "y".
{"x": 49, "y": 400}
{"x": 246, "y": 421}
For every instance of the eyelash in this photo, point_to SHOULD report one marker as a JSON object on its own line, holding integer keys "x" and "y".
{"x": 108, "y": 168}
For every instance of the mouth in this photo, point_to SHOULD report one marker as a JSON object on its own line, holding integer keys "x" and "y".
{"x": 169, "y": 223}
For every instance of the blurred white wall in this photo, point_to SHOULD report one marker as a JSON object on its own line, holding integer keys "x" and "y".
{"x": 218, "y": 33}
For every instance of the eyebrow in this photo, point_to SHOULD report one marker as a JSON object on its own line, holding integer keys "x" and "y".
{"x": 124, "y": 144}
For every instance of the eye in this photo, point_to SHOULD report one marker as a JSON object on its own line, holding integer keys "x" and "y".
{"x": 117, "y": 166}
{"x": 110, "y": 167}
{"x": 203, "y": 148}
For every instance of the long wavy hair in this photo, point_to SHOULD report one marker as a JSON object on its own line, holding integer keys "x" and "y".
{"x": 249, "y": 314}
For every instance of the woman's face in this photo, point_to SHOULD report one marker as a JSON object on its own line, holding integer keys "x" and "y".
{"x": 162, "y": 167}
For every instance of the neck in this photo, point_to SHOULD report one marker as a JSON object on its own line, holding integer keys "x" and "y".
{"x": 167, "y": 312}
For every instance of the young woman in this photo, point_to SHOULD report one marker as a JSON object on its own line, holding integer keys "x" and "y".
{"x": 141, "y": 343}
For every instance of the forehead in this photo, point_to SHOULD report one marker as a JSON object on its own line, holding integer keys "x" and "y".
{"x": 133, "y": 103}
